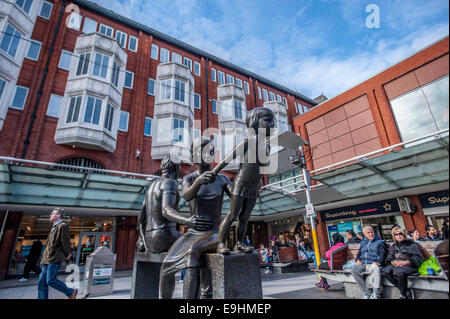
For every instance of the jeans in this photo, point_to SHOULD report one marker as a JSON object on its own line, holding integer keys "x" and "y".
{"x": 48, "y": 278}
{"x": 358, "y": 273}
{"x": 269, "y": 264}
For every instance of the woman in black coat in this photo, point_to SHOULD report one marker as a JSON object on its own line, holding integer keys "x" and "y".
{"x": 404, "y": 258}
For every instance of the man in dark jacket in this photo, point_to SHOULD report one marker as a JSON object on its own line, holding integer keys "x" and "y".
{"x": 32, "y": 259}
{"x": 56, "y": 251}
{"x": 369, "y": 258}
{"x": 432, "y": 233}
{"x": 351, "y": 237}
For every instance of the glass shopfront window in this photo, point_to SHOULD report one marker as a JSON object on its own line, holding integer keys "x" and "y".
{"x": 86, "y": 234}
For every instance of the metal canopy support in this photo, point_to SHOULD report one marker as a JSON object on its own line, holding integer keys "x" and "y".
{"x": 378, "y": 172}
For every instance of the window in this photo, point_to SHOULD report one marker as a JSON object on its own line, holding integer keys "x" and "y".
{"x": 279, "y": 100}
{"x": 74, "y": 21}
{"x": 259, "y": 93}
{"x": 2, "y": 87}
{"x": 148, "y": 126}
{"x": 121, "y": 37}
{"x": 164, "y": 92}
{"x": 11, "y": 40}
{"x": 93, "y": 110}
{"x": 100, "y": 65}
{"x": 151, "y": 86}
{"x": 132, "y": 43}
{"x": 239, "y": 82}
{"x": 64, "y": 60}
{"x": 89, "y": 26}
{"x": 285, "y": 101}
{"x": 197, "y": 98}
{"x": 25, "y": 5}
{"x": 271, "y": 96}
{"x": 221, "y": 77}
{"x": 123, "y": 122}
{"x": 230, "y": 79}
{"x": 237, "y": 109}
{"x": 46, "y": 10}
{"x": 129, "y": 77}
{"x": 188, "y": 62}
{"x": 154, "y": 53}
{"x": 20, "y": 97}
{"x": 423, "y": 110}
{"x": 226, "y": 109}
{"x": 115, "y": 74}
{"x": 215, "y": 141}
{"x": 178, "y": 130}
{"x": 109, "y": 117}
{"x": 196, "y": 68}
{"x": 180, "y": 90}
{"x": 33, "y": 50}
{"x": 214, "y": 106}
{"x": 246, "y": 88}
{"x": 213, "y": 75}
{"x": 164, "y": 55}
{"x": 106, "y": 30}
{"x": 265, "y": 95}
{"x": 83, "y": 63}
{"x": 176, "y": 57}
{"x": 74, "y": 109}
{"x": 54, "y": 105}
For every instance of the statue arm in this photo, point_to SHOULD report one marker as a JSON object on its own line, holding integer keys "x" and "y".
{"x": 231, "y": 156}
{"x": 143, "y": 222}
{"x": 169, "y": 202}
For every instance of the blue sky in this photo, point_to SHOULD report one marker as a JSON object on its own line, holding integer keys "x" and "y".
{"x": 311, "y": 46}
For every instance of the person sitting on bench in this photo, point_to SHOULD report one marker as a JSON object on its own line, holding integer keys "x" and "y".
{"x": 338, "y": 241}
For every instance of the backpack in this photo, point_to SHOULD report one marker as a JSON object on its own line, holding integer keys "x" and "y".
{"x": 429, "y": 263}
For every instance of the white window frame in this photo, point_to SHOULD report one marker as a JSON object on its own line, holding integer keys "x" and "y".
{"x": 272, "y": 97}
{"x": 265, "y": 95}
{"x": 132, "y": 79}
{"x": 279, "y": 99}
{"x": 190, "y": 63}
{"x": 84, "y": 25}
{"x": 121, "y": 33}
{"x": 107, "y": 27}
{"x": 219, "y": 73}
{"x": 231, "y": 78}
{"x": 176, "y": 55}
{"x": 213, "y": 75}
{"x": 9, "y": 45}
{"x": 115, "y": 73}
{"x": 164, "y": 88}
{"x": 259, "y": 93}
{"x": 183, "y": 134}
{"x": 285, "y": 102}
{"x": 212, "y": 106}
{"x": 101, "y": 66}
{"x": 129, "y": 41}
{"x": 164, "y": 50}
{"x": 51, "y": 9}
{"x": 74, "y": 21}
{"x": 21, "y": 7}
{"x": 84, "y": 62}
{"x": 185, "y": 98}
{"x": 49, "y": 102}
{"x": 246, "y": 87}
{"x": 197, "y": 66}
{"x": 154, "y": 47}
{"x": 199, "y": 101}
{"x": 239, "y": 82}
{"x": 154, "y": 86}
{"x": 24, "y": 100}
{"x": 29, "y": 47}
{"x": 151, "y": 126}
{"x": 70, "y": 61}
{"x": 128, "y": 121}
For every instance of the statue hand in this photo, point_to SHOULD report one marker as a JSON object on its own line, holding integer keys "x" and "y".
{"x": 198, "y": 223}
{"x": 206, "y": 178}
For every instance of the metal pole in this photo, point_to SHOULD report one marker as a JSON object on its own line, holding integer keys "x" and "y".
{"x": 308, "y": 198}
{"x": 3, "y": 225}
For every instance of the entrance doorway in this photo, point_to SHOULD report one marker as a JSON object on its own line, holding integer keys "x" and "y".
{"x": 90, "y": 241}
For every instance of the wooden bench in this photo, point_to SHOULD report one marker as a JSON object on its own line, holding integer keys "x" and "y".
{"x": 288, "y": 261}
{"x": 424, "y": 287}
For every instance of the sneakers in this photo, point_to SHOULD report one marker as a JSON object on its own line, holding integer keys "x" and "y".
{"x": 321, "y": 284}
{"x": 267, "y": 271}
{"x": 74, "y": 294}
{"x": 23, "y": 279}
{"x": 367, "y": 295}
{"x": 375, "y": 296}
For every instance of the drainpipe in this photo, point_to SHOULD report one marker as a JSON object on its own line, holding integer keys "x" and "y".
{"x": 254, "y": 91}
{"x": 39, "y": 93}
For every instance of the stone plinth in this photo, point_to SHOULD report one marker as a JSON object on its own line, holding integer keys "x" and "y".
{"x": 146, "y": 269}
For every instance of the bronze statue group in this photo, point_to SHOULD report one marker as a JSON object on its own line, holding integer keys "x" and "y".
{"x": 203, "y": 190}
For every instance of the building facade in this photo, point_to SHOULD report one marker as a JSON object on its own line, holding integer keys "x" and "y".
{"x": 83, "y": 86}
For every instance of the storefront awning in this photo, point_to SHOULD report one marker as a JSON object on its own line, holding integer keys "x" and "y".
{"x": 422, "y": 164}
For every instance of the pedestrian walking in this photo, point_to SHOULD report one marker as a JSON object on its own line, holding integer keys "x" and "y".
{"x": 56, "y": 251}
{"x": 32, "y": 259}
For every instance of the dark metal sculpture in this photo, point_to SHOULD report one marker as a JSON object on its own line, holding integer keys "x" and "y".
{"x": 157, "y": 232}
{"x": 204, "y": 191}
{"x": 246, "y": 184}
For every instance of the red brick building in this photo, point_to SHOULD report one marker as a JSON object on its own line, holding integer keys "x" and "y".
{"x": 405, "y": 102}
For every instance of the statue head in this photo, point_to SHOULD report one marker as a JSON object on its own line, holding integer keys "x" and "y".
{"x": 169, "y": 167}
{"x": 260, "y": 118}
{"x": 202, "y": 151}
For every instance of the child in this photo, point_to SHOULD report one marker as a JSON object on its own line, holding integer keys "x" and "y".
{"x": 247, "y": 180}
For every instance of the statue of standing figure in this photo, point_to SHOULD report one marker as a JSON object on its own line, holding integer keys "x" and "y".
{"x": 204, "y": 192}
{"x": 247, "y": 181}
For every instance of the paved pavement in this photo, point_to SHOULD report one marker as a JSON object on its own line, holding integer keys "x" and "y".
{"x": 275, "y": 286}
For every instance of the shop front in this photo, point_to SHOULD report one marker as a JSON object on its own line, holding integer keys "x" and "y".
{"x": 381, "y": 215}
{"x": 435, "y": 207}
{"x": 86, "y": 234}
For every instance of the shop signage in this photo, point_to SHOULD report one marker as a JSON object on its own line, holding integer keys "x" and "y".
{"x": 435, "y": 199}
{"x": 368, "y": 209}
{"x": 104, "y": 281}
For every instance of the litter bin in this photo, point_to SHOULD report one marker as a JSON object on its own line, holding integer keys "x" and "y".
{"x": 99, "y": 272}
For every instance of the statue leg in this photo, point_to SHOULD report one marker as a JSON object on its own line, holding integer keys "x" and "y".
{"x": 191, "y": 283}
{"x": 235, "y": 207}
{"x": 166, "y": 284}
{"x": 241, "y": 227}
{"x": 205, "y": 284}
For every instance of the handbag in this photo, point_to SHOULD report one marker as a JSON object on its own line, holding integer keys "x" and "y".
{"x": 429, "y": 263}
